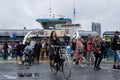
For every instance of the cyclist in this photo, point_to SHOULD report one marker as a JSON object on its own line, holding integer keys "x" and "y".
{"x": 54, "y": 41}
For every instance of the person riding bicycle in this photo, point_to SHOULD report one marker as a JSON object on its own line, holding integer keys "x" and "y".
{"x": 54, "y": 41}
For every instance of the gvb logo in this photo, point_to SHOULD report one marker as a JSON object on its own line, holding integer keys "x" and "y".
{"x": 62, "y": 53}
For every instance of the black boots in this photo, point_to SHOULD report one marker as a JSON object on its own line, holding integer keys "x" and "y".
{"x": 97, "y": 68}
{"x": 116, "y": 67}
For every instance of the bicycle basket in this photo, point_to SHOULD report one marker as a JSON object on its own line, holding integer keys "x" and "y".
{"x": 63, "y": 53}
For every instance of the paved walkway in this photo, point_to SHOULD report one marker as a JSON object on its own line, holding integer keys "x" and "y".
{"x": 110, "y": 60}
{"x": 9, "y": 71}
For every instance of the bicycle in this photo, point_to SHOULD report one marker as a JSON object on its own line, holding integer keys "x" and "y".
{"x": 63, "y": 65}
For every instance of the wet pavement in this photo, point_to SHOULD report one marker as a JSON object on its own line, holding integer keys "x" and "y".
{"x": 41, "y": 71}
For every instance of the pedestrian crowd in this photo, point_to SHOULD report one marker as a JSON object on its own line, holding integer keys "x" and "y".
{"x": 39, "y": 50}
{"x": 93, "y": 49}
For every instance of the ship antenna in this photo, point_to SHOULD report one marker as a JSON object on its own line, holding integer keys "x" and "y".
{"x": 50, "y": 10}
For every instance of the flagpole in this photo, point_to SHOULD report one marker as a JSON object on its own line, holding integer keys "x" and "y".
{"x": 74, "y": 15}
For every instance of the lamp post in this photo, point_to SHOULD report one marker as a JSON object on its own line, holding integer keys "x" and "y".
{"x": 24, "y": 30}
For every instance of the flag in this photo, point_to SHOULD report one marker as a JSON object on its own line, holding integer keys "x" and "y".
{"x": 74, "y": 12}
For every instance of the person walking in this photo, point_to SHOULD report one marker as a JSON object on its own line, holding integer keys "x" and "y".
{"x": 12, "y": 44}
{"x": 43, "y": 49}
{"x": 103, "y": 49}
{"x": 79, "y": 51}
{"x": 90, "y": 57}
{"x": 107, "y": 44}
{"x": 47, "y": 49}
{"x": 37, "y": 48}
{"x": 5, "y": 48}
{"x": 115, "y": 47}
{"x": 20, "y": 49}
{"x": 97, "y": 52}
{"x": 63, "y": 43}
{"x": 73, "y": 47}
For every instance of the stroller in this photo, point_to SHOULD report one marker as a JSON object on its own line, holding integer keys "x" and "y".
{"x": 28, "y": 55}
{"x": 28, "y": 60}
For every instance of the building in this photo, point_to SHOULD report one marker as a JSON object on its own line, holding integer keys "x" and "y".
{"x": 84, "y": 34}
{"x": 69, "y": 28}
{"x": 48, "y": 23}
{"x": 13, "y": 34}
{"x": 96, "y": 27}
{"x": 108, "y": 35}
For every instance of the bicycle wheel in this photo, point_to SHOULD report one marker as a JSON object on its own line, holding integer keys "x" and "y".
{"x": 66, "y": 69}
{"x": 53, "y": 70}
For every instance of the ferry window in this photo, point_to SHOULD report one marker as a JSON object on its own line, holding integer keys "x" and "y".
{"x": 40, "y": 32}
{"x": 67, "y": 31}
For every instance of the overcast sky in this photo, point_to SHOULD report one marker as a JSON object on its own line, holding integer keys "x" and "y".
{"x": 23, "y": 13}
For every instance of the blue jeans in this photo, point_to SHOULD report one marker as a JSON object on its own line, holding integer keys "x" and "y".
{"x": 116, "y": 56}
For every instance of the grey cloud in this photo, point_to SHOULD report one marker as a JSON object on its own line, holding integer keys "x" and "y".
{"x": 24, "y": 12}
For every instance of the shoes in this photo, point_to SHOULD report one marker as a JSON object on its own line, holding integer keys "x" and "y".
{"x": 115, "y": 67}
{"x": 19, "y": 62}
{"x": 82, "y": 66}
{"x": 74, "y": 63}
{"x": 88, "y": 63}
{"x": 99, "y": 68}
{"x": 55, "y": 65}
{"x": 104, "y": 59}
{"x": 118, "y": 67}
{"x": 95, "y": 68}
{"x": 92, "y": 63}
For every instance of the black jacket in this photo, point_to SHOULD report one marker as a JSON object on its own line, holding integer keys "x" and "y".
{"x": 53, "y": 42}
{"x": 103, "y": 47}
{"x": 73, "y": 45}
{"x": 20, "y": 48}
{"x": 37, "y": 47}
{"x": 116, "y": 43}
{"x": 107, "y": 44}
